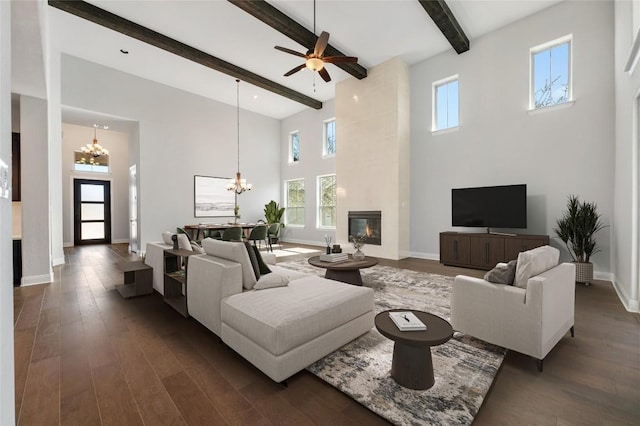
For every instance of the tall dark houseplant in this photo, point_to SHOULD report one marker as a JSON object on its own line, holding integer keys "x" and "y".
{"x": 577, "y": 228}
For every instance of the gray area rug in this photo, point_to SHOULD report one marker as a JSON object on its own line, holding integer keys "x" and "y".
{"x": 464, "y": 367}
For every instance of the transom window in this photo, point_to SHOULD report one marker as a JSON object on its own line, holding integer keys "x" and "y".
{"x": 83, "y": 162}
{"x": 445, "y": 104}
{"x": 551, "y": 73}
{"x": 327, "y": 201}
{"x": 294, "y": 147}
{"x": 329, "y": 139}
{"x": 294, "y": 191}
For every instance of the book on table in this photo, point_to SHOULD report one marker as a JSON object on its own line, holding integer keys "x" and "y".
{"x": 407, "y": 321}
{"x": 334, "y": 257}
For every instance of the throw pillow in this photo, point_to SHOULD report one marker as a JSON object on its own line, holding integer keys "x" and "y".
{"x": 166, "y": 238}
{"x": 253, "y": 258}
{"x": 234, "y": 251}
{"x": 196, "y": 247}
{"x": 264, "y": 269}
{"x": 502, "y": 273}
{"x": 534, "y": 262}
{"x": 271, "y": 280}
{"x": 184, "y": 243}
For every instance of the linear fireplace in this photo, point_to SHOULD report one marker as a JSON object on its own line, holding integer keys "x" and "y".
{"x": 367, "y": 223}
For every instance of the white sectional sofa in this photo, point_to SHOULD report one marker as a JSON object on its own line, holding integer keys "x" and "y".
{"x": 280, "y": 330}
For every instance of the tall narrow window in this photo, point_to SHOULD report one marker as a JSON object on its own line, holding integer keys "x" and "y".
{"x": 329, "y": 140}
{"x": 294, "y": 147}
{"x": 551, "y": 73}
{"x": 327, "y": 201}
{"x": 445, "y": 103}
{"x": 294, "y": 213}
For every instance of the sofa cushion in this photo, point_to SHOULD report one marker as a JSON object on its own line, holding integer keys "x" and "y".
{"x": 166, "y": 238}
{"x": 289, "y": 273}
{"x": 264, "y": 269}
{"x": 197, "y": 248}
{"x": 253, "y": 258}
{"x": 286, "y": 317}
{"x": 271, "y": 280}
{"x": 184, "y": 243}
{"x": 503, "y": 273}
{"x": 534, "y": 262}
{"x": 234, "y": 251}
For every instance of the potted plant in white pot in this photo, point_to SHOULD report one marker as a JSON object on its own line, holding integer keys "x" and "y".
{"x": 577, "y": 228}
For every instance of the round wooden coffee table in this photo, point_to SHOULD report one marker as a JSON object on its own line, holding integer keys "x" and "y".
{"x": 412, "y": 366}
{"x": 347, "y": 271}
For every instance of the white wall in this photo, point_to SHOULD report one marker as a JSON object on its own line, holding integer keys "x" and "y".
{"x": 181, "y": 135}
{"x": 34, "y": 170}
{"x": 73, "y": 137}
{"x": 7, "y": 390}
{"x": 311, "y": 165}
{"x": 556, "y": 153}
{"x": 625, "y": 232}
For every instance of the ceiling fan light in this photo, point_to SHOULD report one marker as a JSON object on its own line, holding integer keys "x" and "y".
{"x": 314, "y": 64}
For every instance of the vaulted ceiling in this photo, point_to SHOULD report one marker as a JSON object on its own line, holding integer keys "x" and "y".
{"x": 373, "y": 30}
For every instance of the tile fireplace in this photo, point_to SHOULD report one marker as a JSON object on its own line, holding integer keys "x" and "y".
{"x": 367, "y": 223}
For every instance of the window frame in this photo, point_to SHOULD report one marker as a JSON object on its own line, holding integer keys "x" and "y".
{"x": 325, "y": 153}
{"x": 287, "y": 206}
{"x": 319, "y": 205}
{"x": 434, "y": 103}
{"x": 291, "y": 135}
{"x": 541, "y": 48}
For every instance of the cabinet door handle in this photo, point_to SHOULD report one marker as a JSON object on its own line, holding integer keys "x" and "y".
{"x": 486, "y": 252}
{"x": 455, "y": 249}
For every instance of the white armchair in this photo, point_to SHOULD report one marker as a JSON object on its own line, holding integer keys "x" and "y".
{"x": 530, "y": 321}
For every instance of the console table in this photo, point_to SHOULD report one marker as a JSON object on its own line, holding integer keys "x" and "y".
{"x": 483, "y": 250}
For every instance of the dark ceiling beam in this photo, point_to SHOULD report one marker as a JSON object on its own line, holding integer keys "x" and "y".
{"x": 296, "y": 32}
{"x": 444, "y": 19}
{"x": 114, "y": 22}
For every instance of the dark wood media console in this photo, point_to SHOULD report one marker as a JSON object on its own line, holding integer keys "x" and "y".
{"x": 484, "y": 250}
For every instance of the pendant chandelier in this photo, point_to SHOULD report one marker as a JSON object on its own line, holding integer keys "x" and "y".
{"x": 94, "y": 149}
{"x": 238, "y": 185}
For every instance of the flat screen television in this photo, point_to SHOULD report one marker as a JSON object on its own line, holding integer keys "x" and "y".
{"x": 490, "y": 206}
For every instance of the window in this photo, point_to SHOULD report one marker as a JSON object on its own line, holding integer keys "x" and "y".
{"x": 551, "y": 73}
{"x": 83, "y": 162}
{"x": 327, "y": 201}
{"x": 294, "y": 190}
{"x": 294, "y": 147}
{"x": 445, "y": 104}
{"x": 329, "y": 140}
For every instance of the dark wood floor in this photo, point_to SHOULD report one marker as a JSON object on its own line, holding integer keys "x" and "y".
{"x": 85, "y": 356}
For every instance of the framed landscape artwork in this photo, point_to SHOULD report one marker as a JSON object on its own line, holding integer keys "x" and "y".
{"x": 211, "y": 197}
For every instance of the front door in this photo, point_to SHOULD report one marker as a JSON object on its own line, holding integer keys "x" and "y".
{"x": 91, "y": 211}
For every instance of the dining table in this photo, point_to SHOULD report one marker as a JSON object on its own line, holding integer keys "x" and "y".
{"x": 195, "y": 231}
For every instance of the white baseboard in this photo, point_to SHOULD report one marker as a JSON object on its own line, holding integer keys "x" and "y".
{"x": 58, "y": 261}
{"x": 628, "y": 303}
{"x": 306, "y": 242}
{"x": 37, "y": 279}
{"x": 427, "y": 256}
{"x": 121, "y": 241}
{"x": 605, "y": 276}
{"x": 67, "y": 244}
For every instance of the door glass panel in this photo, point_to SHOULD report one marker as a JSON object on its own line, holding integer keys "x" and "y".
{"x": 92, "y": 230}
{"x": 92, "y": 211}
{"x": 91, "y": 192}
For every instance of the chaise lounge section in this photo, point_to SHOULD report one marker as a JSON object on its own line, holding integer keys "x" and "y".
{"x": 280, "y": 330}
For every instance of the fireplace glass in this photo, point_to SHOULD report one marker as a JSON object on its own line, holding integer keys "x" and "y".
{"x": 367, "y": 223}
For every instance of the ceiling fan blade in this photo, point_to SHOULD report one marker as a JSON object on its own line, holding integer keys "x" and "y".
{"x": 321, "y": 43}
{"x": 324, "y": 74}
{"x": 293, "y": 52}
{"x": 339, "y": 59}
{"x": 295, "y": 70}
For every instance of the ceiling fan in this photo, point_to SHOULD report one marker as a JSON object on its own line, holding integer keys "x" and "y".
{"x": 314, "y": 58}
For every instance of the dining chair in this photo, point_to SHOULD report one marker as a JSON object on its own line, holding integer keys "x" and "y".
{"x": 258, "y": 233}
{"x": 233, "y": 233}
{"x": 273, "y": 234}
